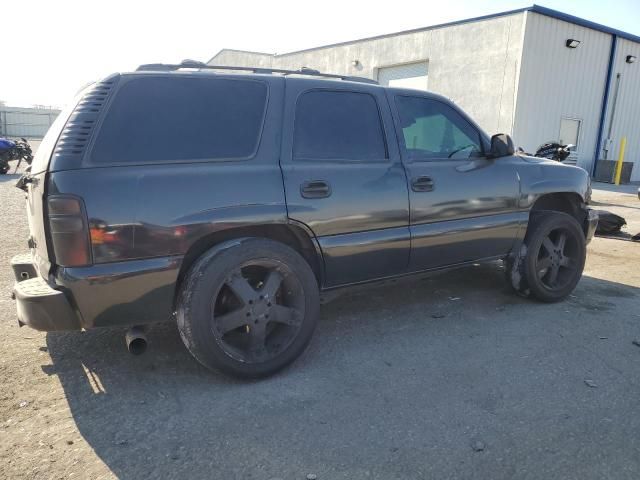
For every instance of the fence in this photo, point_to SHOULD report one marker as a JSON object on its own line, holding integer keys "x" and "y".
{"x": 18, "y": 122}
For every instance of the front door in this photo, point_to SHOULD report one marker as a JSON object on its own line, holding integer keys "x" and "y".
{"x": 344, "y": 179}
{"x": 463, "y": 205}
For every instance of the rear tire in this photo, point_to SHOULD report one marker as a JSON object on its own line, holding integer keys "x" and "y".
{"x": 248, "y": 307}
{"x": 4, "y": 169}
{"x": 550, "y": 262}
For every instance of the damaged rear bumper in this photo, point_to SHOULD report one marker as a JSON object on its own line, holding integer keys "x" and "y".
{"x": 42, "y": 307}
{"x": 135, "y": 292}
{"x": 38, "y": 304}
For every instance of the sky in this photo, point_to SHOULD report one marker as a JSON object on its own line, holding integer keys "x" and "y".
{"x": 53, "y": 48}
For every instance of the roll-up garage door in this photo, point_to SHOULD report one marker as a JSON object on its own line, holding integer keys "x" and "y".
{"x": 410, "y": 75}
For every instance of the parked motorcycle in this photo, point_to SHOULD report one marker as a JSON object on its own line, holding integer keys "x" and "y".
{"x": 555, "y": 151}
{"x": 14, "y": 150}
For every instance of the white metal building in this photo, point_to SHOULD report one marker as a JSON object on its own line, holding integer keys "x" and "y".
{"x": 538, "y": 74}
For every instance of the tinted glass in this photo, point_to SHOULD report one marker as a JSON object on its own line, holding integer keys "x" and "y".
{"x": 432, "y": 129}
{"x": 164, "y": 119}
{"x": 338, "y": 125}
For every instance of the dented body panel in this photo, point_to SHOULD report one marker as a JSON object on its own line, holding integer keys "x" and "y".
{"x": 539, "y": 176}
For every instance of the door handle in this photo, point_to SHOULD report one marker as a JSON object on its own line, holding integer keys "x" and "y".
{"x": 422, "y": 184}
{"x": 315, "y": 189}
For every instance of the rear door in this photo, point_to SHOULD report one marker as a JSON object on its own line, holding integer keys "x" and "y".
{"x": 463, "y": 205}
{"x": 344, "y": 178}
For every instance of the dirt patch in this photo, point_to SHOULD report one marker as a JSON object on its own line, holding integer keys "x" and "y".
{"x": 452, "y": 377}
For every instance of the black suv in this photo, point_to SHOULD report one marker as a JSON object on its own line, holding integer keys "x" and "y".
{"x": 231, "y": 199}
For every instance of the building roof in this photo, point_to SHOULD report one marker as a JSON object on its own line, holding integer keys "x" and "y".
{"x": 548, "y": 12}
{"x": 582, "y": 22}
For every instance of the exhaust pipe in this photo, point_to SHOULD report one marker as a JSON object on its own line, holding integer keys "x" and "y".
{"x": 136, "y": 340}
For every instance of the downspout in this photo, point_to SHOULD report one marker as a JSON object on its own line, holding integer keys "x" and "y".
{"x": 605, "y": 100}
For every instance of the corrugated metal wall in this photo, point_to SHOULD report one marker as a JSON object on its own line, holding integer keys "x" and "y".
{"x": 626, "y": 119}
{"x": 18, "y": 122}
{"x": 557, "y": 82}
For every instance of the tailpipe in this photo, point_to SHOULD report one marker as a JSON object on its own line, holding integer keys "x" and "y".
{"x": 136, "y": 340}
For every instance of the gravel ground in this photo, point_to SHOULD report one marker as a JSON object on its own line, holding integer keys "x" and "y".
{"x": 446, "y": 377}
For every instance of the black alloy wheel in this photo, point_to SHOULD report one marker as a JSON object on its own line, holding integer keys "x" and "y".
{"x": 558, "y": 259}
{"x": 258, "y": 311}
{"x": 248, "y": 307}
{"x": 549, "y": 264}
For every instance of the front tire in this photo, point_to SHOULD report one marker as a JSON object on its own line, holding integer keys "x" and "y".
{"x": 248, "y": 307}
{"x": 551, "y": 260}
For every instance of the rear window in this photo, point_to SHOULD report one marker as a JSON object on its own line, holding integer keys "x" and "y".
{"x": 43, "y": 153}
{"x": 338, "y": 125}
{"x": 167, "y": 119}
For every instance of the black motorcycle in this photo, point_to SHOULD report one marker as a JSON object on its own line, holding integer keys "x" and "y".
{"x": 14, "y": 150}
{"x": 555, "y": 151}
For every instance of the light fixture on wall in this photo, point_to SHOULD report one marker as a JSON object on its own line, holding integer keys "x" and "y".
{"x": 631, "y": 59}
{"x": 356, "y": 63}
{"x": 572, "y": 43}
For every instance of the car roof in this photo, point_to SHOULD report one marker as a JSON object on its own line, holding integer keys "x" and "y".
{"x": 309, "y": 76}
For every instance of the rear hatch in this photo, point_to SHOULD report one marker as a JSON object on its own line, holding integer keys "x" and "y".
{"x": 36, "y": 191}
{"x": 65, "y": 138}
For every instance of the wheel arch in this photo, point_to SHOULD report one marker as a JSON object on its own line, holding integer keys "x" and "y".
{"x": 570, "y": 203}
{"x": 293, "y": 235}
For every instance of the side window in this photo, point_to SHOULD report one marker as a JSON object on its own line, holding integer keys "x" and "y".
{"x": 432, "y": 129}
{"x": 168, "y": 119}
{"x": 338, "y": 125}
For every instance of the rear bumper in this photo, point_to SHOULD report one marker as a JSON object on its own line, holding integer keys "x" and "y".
{"x": 42, "y": 307}
{"x": 127, "y": 293}
{"x": 23, "y": 267}
{"x": 590, "y": 224}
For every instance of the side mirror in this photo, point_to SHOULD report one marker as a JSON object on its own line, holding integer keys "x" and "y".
{"x": 501, "y": 146}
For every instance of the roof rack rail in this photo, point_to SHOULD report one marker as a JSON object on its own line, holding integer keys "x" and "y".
{"x": 163, "y": 67}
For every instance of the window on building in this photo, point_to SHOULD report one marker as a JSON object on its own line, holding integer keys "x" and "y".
{"x": 338, "y": 125}
{"x": 162, "y": 119}
{"x": 569, "y": 131}
{"x": 432, "y": 129}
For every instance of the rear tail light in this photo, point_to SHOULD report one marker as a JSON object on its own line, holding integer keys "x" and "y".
{"x": 69, "y": 231}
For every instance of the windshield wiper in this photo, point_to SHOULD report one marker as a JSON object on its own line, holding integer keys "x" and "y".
{"x": 460, "y": 149}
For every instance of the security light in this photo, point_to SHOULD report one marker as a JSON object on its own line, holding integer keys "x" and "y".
{"x": 631, "y": 59}
{"x": 356, "y": 63}
{"x": 572, "y": 43}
